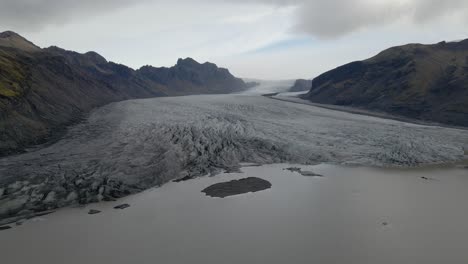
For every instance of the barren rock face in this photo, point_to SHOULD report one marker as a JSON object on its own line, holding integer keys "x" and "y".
{"x": 130, "y": 146}
{"x": 301, "y": 85}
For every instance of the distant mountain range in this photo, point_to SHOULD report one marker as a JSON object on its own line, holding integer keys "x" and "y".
{"x": 426, "y": 82}
{"x": 44, "y": 90}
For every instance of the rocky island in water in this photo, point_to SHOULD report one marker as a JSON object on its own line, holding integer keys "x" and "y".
{"x": 235, "y": 187}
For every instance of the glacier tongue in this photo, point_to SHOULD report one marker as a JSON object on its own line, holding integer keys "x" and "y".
{"x": 129, "y": 146}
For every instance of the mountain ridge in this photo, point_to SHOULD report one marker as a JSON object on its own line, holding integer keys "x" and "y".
{"x": 425, "y": 82}
{"x": 42, "y": 91}
{"x": 12, "y": 39}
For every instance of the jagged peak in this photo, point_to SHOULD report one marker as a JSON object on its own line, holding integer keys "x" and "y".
{"x": 461, "y": 43}
{"x": 12, "y": 39}
{"x": 55, "y": 48}
{"x": 98, "y": 58}
{"x": 90, "y": 55}
{"x": 187, "y": 61}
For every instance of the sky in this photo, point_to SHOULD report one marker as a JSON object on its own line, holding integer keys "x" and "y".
{"x": 265, "y": 39}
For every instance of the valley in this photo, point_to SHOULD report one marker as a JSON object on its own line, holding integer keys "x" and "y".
{"x": 130, "y": 146}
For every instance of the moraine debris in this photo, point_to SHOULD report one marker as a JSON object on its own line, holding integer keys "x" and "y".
{"x": 5, "y": 227}
{"x": 122, "y": 206}
{"x": 186, "y": 178}
{"x": 293, "y": 169}
{"x": 428, "y": 179}
{"x": 310, "y": 174}
{"x": 303, "y": 173}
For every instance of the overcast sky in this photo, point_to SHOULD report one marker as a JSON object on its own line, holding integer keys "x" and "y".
{"x": 269, "y": 39}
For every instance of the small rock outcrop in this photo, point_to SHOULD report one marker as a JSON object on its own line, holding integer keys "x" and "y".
{"x": 310, "y": 174}
{"x": 301, "y": 85}
{"x": 303, "y": 173}
{"x": 236, "y": 187}
{"x": 5, "y": 228}
{"x": 122, "y": 206}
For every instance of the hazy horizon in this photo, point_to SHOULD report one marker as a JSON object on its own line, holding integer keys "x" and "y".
{"x": 262, "y": 39}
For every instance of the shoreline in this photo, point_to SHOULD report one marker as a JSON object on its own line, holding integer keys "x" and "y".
{"x": 461, "y": 165}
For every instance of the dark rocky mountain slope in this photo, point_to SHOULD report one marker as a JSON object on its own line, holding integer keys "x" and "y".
{"x": 44, "y": 90}
{"x": 191, "y": 77}
{"x": 301, "y": 85}
{"x": 427, "y": 82}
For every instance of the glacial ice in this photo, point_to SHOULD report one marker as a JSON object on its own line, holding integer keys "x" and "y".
{"x": 130, "y": 146}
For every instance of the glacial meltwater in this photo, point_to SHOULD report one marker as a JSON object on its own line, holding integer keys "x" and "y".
{"x": 350, "y": 215}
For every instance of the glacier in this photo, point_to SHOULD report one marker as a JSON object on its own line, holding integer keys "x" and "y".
{"x": 130, "y": 146}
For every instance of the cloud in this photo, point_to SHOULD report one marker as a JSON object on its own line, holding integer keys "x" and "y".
{"x": 32, "y": 15}
{"x": 319, "y": 18}
{"x": 335, "y": 18}
{"x": 426, "y": 10}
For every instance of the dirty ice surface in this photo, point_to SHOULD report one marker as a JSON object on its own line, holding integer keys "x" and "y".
{"x": 130, "y": 146}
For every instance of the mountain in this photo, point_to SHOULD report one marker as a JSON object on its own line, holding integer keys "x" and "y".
{"x": 12, "y": 40}
{"x": 44, "y": 90}
{"x": 191, "y": 77}
{"x": 426, "y": 82}
{"x": 301, "y": 85}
